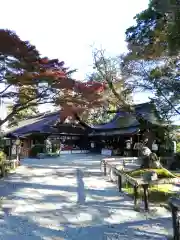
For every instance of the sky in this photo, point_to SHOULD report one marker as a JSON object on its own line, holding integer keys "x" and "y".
{"x": 69, "y": 29}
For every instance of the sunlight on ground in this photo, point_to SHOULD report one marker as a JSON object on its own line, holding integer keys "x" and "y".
{"x": 68, "y": 198}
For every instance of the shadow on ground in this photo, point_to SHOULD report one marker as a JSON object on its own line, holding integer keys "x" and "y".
{"x": 68, "y": 198}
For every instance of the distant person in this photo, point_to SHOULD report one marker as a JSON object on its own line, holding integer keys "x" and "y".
{"x": 59, "y": 148}
{"x": 92, "y": 145}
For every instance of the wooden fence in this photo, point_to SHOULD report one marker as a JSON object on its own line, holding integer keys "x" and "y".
{"x": 118, "y": 173}
{"x": 174, "y": 204}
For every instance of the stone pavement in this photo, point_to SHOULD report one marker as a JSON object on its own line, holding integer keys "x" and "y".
{"x": 68, "y": 198}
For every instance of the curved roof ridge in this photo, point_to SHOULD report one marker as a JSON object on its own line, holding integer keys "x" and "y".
{"x": 143, "y": 109}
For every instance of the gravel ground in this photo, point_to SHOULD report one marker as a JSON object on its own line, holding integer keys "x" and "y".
{"x": 68, "y": 198}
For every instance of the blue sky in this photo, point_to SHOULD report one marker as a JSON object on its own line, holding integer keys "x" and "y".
{"x": 68, "y": 29}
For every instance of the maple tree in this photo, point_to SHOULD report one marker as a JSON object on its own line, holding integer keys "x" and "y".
{"x": 28, "y": 80}
{"x": 108, "y": 69}
{"x": 21, "y": 115}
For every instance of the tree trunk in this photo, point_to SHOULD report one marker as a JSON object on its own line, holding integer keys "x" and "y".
{"x": 145, "y": 162}
{"x": 151, "y": 161}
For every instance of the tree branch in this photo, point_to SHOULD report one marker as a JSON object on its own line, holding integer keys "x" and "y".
{"x": 6, "y": 89}
{"x": 16, "y": 110}
{"x": 109, "y": 81}
{"x": 160, "y": 91}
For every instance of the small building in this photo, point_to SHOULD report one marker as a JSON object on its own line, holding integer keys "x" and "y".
{"x": 121, "y": 136}
{"x": 124, "y": 133}
{"x": 37, "y": 129}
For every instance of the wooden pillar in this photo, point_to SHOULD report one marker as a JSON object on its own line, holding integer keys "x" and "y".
{"x": 10, "y": 150}
{"x": 124, "y": 163}
{"x": 175, "y": 223}
{"x": 135, "y": 195}
{"x": 146, "y": 200}
{"x": 119, "y": 183}
{"x": 72, "y": 144}
{"x": 18, "y": 154}
{"x": 3, "y": 173}
{"x": 102, "y": 166}
{"x": 105, "y": 173}
{"x": 112, "y": 176}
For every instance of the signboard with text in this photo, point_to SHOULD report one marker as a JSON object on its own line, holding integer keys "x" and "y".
{"x": 106, "y": 152}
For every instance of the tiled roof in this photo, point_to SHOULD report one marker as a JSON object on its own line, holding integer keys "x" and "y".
{"x": 124, "y": 131}
{"x": 125, "y": 120}
{"x": 39, "y": 123}
{"x": 44, "y": 122}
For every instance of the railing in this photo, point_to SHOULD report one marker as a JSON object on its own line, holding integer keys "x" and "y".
{"x": 136, "y": 184}
{"x": 132, "y": 181}
{"x": 119, "y": 163}
{"x": 118, "y": 174}
{"x": 174, "y": 204}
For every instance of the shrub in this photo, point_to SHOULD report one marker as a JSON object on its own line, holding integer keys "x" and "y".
{"x": 178, "y": 147}
{"x": 2, "y": 156}
{"x": 157, "y": 194}
{"x": 162, "y": 173}
{"x": 36, "y": 149}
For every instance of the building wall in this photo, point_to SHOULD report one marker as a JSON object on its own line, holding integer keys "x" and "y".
{"x": 25, "y": 148}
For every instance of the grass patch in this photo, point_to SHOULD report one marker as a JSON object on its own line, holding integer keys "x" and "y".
{"x": 157, "y": 193}
{"x": 161, "y": 173}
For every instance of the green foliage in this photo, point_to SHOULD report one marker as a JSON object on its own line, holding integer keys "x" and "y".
{"x": 157, "y": 193}
{"x": 2, "y": 143}
{"x": 2, "y": 157}
{"x": 161, "y": 78}
{"x": 153, "y": 59}
{"x": 21, "y": 115}
{"x": 108, "y": 69}
{"x": 99, "y": 116}
{"x": 161, "y": 173}
{"x": 36, "y": 149}
{"x": 178, "y": 147}
{"x": 157, "y": 30}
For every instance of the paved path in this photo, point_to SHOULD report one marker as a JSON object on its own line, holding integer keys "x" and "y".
{"x": 68, "y": 198}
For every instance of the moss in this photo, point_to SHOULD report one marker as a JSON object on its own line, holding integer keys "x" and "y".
{"x": 2, "y": 157}
{"x": 158, "y": 193}
{"x": 162, "y": 173}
